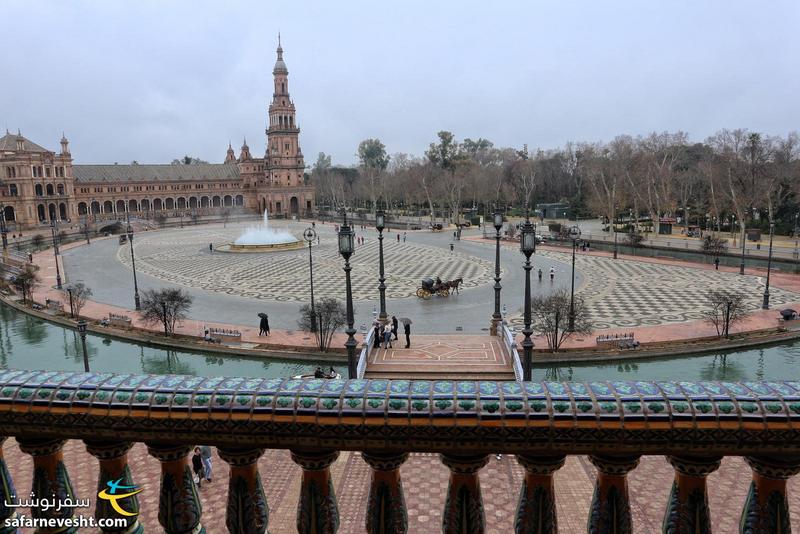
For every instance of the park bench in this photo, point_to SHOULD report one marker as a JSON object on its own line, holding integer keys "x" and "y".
{"x": 220, "y": 335}
{"x": 119, "y": 321}
{"x": 51, "y": 304}
{"x": 617, "y": 341}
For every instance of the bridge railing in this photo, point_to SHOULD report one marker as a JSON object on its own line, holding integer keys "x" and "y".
{"x": 510, "y": 344}
{"x": 366, "y": 346}
{"x": 694, "y": 424}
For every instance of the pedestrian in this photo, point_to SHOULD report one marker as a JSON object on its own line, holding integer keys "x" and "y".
{"x": 398, "y": 238}
{"x": 716, "y": 264}
{"x": 264, "y": 326}
{"x": 197, "y": 466}
{"x": 394, "y": 326}
{"x": 407, "y": 330}
{"x": 205, "y": 455}
{"x": 454, "y": 235}
{"x": 313, "y": 224}
{"x": 451, "y": 248}
{"x": 540, "y": 274}
{"x": 211, "y": 247}
{"x": 404, "y": 237}
{"x": 376, "y": 338}
{"x": 318, "y": 237}
{"x": 387, "y": 339}
{"x": 552, "y": 273}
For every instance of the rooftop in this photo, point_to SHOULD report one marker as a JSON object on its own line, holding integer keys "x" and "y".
{"x": 155, "y": 172}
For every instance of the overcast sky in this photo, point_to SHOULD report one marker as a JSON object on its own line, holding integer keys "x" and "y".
{"x": 152, "y": 81}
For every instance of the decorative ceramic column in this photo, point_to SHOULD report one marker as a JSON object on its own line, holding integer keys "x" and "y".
{"x": 317, "y": 511}
{"x": 386, "y": 507}
{"x": 247, "y": 511}
{"x": 50, "y": 478}
{"x": 611, "y": 508}
{"x": 766, "y": 509}
{"x": 179, "y": 507}
{"x": 536, "y": 511}
{"x": 113, "y": 458}
{"x": 463, "y": 509}
{"x": 687, "y": 507}
{"x": 8, "y": 494}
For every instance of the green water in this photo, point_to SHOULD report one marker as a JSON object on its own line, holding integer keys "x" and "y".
{"x": 775, "y": 362}
{"x": 30, "y": 343}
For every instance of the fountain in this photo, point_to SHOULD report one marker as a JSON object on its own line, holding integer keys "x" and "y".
{"x": 262, "y": 238}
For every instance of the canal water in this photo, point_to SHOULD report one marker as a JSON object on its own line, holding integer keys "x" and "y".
{"x": 30, "y": 343}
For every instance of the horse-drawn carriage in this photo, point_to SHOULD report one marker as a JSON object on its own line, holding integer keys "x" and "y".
{"x": 430, "y": 287}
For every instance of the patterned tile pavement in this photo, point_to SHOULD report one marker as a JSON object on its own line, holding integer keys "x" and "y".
{"x": 425, "y": 483}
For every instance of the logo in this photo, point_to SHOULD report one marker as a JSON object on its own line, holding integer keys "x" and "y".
{"x": 112, "y": 496}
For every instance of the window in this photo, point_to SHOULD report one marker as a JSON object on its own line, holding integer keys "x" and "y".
{"x": 286, "y": 146}
{"x": 47, "y": 172}
{"x": 12, "y": 190}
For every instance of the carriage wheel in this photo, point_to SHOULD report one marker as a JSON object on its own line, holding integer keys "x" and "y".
{"x": 423, "y": 293}
{"x": 443, "y": 292}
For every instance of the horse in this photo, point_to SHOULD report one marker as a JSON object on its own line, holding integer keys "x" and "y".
{"x": 453, "y": 284}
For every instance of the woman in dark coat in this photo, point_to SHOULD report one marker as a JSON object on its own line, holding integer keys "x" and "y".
{"x": 264, "y": 326}
{"x": 197, "y": 466}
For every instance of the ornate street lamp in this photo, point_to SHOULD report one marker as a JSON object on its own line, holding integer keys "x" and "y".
{"x": 55, "y": 253}
{"x": 575, "y": 234}
{"x": 86, "y": 228}
{"x": 496, "y": 318}
{"x": 765, "y": 302}
{"x": 380, "y": 224}
{"x": 71, "y": 305}
{"x": 614, "y": 226}
{"x": 82, "y": 331}
{"x": 3, "y": 229}
{"x": 346, "y": 249}
{"x": 136, "y": 302}
{"x": 527, "y": 246}
{"x": 310, "y": 235}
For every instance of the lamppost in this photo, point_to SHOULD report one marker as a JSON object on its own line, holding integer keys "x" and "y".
{"x": 55, "y": 253}
{"x": 310, "y": 235}
{"x": 71, "y": 307}
{"x": 613, "y": 225}
{"x": 380, "y": 224}
{"x": 765, "y": 303}
{"x": 136, "y": 302}
{"x": 498, "y": 225}
{"x": 346, "y": 248}
{"x": 744, "y": 242}
{"x": 796, "y": 236}
{"x": 527, "y": 244}
{"x": 3, "y": 229}
{"x": 86, "y": 228}
{"x": 82, "y": 331}
{"x": 575, "y": 234}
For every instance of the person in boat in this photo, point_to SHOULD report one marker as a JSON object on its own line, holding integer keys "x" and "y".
{"x": 319, "y": 373}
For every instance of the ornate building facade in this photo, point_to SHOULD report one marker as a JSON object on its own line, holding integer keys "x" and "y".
{"x": 38, "y": 185}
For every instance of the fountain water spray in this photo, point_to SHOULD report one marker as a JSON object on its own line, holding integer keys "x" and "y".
{"x": 264, "y": 235}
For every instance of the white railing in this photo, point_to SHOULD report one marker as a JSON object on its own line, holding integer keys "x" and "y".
{"x": 365, "y": 348}
{"x": 507, "y": 334}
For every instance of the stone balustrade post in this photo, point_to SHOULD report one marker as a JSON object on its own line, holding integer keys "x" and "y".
{"x": 766, "y": 509}
{"x": 386, "y": 507}
{"x": 115, "y": 478}
{"x": 317, "y": 511}
{"x": 687, "y": 506}
{"x": 463, "y": 508}
{"x": 611, "y": 508}
{"x": 8, "y": 494}
{"x": 247, "y": 511}
{"x": 179, "y": 508}
{"x": 50, "y": 480}
{"x": 536, "y": 511}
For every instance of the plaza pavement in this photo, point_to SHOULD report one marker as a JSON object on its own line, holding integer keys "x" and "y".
{"x": 425, "y": 485}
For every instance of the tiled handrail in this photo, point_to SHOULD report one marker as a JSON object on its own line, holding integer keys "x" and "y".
{"x": 693, "y": 423}
{"x": 511, "y": 346}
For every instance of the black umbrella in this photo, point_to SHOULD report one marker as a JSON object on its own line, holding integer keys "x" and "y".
{"x": 262, "y": 315}
{"x": 788, "y": 313}
{"x": 405, "y": 320}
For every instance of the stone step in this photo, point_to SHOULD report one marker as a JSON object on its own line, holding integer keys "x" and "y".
{"x": 443, "y": 375}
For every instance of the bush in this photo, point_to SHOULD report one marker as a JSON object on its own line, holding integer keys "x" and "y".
{"x": 634, "y": 239}
{"x": 714, "y": 245}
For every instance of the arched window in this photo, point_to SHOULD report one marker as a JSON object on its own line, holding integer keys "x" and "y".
{"x": 228, "y": 201}
{"x": 170, "y": 204}
{"x": 62, "y": 211}
{"x": 81, "y": 208}
{"x": 60, "y": 189}
{"x": 108, "y": 207}
{"x": 39, "y": 190}
{"x": 40, "y": 210}
{"x": 120, "y": 206}
{"x": 158, "y": 205}
{"x": 95, "y": 207}
{"x": 239, "y": 200}
{"x": 50, "y": 189}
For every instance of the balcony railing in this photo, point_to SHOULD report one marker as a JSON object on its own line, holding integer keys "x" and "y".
{"x": 693, "y": 423}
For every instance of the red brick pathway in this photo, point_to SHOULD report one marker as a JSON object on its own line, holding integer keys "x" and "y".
{"x": 425, "y": 483}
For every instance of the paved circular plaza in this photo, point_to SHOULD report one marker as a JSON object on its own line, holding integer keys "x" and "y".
{"x": 234, "y": 287}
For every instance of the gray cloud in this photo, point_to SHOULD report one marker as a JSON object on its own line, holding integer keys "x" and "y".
{"x": 152, "y": 80}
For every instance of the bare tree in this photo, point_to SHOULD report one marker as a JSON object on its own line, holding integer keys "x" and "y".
{"x": 80, "y": 293}
{"x": 165, "y": 306}
{"x": 550, "y": 316}
{"x": 26, "y": 282}
{"x": 330, "y": 316}
{"x": 726, "y": 308}
{"x": 374, "y": 160}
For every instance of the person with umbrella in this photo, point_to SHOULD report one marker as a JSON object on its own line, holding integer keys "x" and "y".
{"x": 263, "y": 325}
{"x": 407, "y": 330}
{"x": 394, "y": 326}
